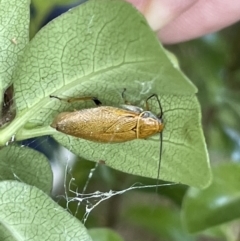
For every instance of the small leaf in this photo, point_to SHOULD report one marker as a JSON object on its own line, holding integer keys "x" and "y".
{"x": 26, "y": 213}
{"x": 217, "y": 204}
{"x": 26, "y": 165}
{"x": 98, "y": 49}
{"x": 104, "y": 234}
{"x": 14, "y": 19}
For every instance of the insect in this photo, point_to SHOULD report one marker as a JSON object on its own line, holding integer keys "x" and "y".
{"x": 107, "y": 124}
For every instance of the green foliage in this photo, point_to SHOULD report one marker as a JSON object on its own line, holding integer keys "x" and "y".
{"x": 41, "y": 10}
{"x": 27, "y": 213}
{"x": 104, "y": 234}
{"x": 70, "y": 57}
{"x": 164, "y": 222}
{"x": 13, "y": 37}
{"x": 25, "y": 165}
{"x": 217, "y": 204}
{"x": 98, "y": 49}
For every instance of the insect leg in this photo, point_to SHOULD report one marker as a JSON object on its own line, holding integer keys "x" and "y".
{"x": 123, "y": 96}
{"x": 159, "y": 104}
{"x": 124, "y": 90}
{"x": 70, "y": 100}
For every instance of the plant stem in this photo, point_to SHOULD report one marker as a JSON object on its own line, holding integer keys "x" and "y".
{"x": 24, "y": 134}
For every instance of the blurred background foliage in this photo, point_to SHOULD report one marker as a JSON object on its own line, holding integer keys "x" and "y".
{"x": 176, "y": 212}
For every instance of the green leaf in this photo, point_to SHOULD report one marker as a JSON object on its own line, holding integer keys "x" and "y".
{"x": 26, "y": 165}
{"x": 217, "y": 204}
{"x": 27, "y": 213}
{"x": 98, "y": 49}
{"x": 104, "y": 234}
{"x": 163, "y": 221}
{"x": 14, "y": 19}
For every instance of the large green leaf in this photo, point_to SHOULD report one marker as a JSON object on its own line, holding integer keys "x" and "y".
{"x": 217, "y": 204}
{"x": 26, "y": 213}
{"x": 26, "y": 165}
{"x": 98, "y": 49}
{"x": 14, "y": 19}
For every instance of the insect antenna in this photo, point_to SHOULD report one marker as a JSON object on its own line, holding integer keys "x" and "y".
{"x": 160, "y": 117}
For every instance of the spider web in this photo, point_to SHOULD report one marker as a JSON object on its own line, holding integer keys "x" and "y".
{"x": 91, "y": 200}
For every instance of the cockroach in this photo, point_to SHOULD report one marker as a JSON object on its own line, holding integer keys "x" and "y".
{"x": 107, "y": 124}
